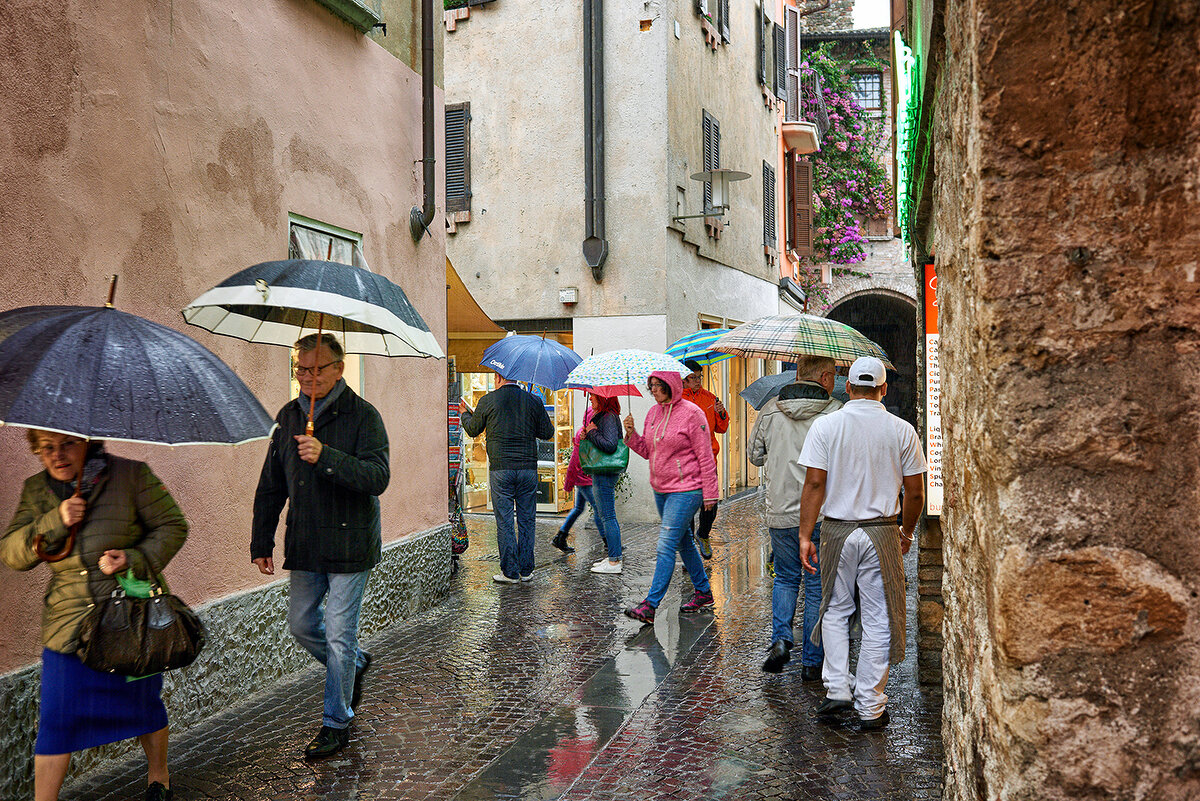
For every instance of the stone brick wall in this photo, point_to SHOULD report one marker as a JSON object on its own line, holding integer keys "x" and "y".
{"x": 1066, "y": 238}
{"x": 838, "y": 17}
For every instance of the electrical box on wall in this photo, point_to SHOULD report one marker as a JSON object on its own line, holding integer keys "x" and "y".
{"x": 569, "y": 295}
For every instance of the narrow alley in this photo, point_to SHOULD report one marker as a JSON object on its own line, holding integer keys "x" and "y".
{"x": 546, "y": 691}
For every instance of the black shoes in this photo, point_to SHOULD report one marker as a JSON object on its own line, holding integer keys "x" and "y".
{"x": 778, "y": 655}
{"x": 156, "y": 792}
{"x": 833, "y": 706}
{"x": 810, "y": 673}
{"x": 327, "y": 743}
{"x": 358, "y": 681}
{"x": 875, "y": 724}
{"x": 560, "y": 542}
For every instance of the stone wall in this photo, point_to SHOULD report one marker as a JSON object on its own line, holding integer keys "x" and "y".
{"x": 838, "y": 17}
{"x": 1066, "y": 238}
{"x": 248, "y": 649}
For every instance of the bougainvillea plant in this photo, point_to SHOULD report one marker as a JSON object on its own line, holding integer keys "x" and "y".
{"x": 850, "y": 184}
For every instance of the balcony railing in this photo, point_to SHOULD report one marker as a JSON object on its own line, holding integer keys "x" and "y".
{"x": 812, "y": 103}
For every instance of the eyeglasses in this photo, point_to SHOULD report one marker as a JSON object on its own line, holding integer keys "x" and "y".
{"x": 67, "y": 445}
{"x": 303, "y": 371}
{"x": 652, "y": 385}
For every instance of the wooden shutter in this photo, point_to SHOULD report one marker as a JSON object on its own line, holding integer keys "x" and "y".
{"x": 707, "y": 122}
{"x": 761, "y": 18}
{"x": 723, "y": 12}
{"x": 877, "y": 227}
{"x": 458, "y": 157}
{"x": 702, "y": 7}
{"x": 780, "y": 63}
{"x": 792, "y": 55}
{"x": 769, "y": 205}
{"x": 802, "y": 223}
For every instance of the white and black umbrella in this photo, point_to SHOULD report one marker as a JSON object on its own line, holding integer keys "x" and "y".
{"x": 278, "y": 302}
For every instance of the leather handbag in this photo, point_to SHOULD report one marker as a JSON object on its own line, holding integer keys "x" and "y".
{"x": 593, "y": 460}
{"x": 140, "y": 636}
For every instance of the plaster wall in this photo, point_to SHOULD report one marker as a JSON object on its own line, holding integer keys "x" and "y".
{"x": 168, "y": 143}
{"x": 1066, "y": 234}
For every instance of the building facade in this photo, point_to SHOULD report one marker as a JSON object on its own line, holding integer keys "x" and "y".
{"x": 175, "y": 144}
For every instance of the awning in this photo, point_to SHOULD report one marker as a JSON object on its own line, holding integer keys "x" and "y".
{"x": 468, "y": 329}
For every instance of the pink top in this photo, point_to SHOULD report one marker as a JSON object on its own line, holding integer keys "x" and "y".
{"x": 676, "y": 440}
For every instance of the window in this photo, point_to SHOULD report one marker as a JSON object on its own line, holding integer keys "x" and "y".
{"x": 712, "y": 154}
{"x": 800, "y": 212}
{"x": 868, "y": 91}
{"x": 717, "y": 13}
{"x": 311, "y": 239}
{"x": 458, "y": 157}
{"x": 769, "y": 206}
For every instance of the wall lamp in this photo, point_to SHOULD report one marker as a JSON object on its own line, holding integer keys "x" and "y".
{"x": 720, "y": 180}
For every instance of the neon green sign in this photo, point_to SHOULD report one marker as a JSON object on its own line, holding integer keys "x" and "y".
{"x": 907, "y": 115}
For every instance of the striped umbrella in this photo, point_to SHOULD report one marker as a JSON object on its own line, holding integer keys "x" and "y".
{"x": 697, "y": 347}
{"x": 786, "y": 336}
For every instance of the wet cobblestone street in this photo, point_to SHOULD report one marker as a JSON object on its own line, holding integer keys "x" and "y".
{"x": 546, "y": 690}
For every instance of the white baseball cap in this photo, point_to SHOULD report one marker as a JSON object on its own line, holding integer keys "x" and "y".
{"x": 867, "y": 371}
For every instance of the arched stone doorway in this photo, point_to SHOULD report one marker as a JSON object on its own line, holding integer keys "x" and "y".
{"x": 888, "y": 318}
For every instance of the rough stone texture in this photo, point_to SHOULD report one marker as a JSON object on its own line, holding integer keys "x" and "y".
{"x": 838, "y": 17}
{"x": 1066, "y": 237}
{"x": 249, "y": 648}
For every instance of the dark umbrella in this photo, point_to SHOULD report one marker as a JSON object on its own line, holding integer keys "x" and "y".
{"x": 534, "y": 360}
{"x": 759, "y": 392}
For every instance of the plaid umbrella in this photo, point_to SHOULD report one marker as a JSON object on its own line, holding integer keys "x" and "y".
{"x": 697, "y": 347}
{"x": 621, "y": 367}
{"x": 786, "y": 336}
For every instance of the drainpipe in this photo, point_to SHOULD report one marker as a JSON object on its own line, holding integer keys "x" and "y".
{"x": 419, "y": 219}
{"x": 595, "y": 246}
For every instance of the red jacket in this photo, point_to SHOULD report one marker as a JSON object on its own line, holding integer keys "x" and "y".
{"x": 718, "y": 422}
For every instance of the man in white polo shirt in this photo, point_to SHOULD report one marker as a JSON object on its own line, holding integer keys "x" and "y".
{"x": 857, "y": 459}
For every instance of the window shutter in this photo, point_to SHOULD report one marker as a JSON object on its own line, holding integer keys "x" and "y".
{"x": 877, "y": 227}
{"x": 802, "y": 226}
{"x": 458, "y": 157}
{"x": 768, "y": 205}
{"x": 702, "y": 7}
{"x": 761, "y": 18}
{"x": 707, "y": 160}
{"x": 780, "y": 63}
{"x": 723, "y": 10}
{"x": 792, "y": 108}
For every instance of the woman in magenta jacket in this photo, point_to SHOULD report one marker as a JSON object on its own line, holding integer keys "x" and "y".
{"x": 683, "y": 476}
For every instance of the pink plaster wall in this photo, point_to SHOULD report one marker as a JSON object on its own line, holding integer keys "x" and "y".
{"x": 168, "y": 142}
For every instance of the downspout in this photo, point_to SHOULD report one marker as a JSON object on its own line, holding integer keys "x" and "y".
{"x": 419, "y": 219}
{"x": 595, "y": 246}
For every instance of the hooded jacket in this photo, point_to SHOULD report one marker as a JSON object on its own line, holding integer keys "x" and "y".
{"x": 776, "y": 441}
{"x": 675, "y": 439}
{"x": 718, "y": 422}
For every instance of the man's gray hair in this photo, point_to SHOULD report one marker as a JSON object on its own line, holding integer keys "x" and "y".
{"x": 809, "y": 368}
{"x": 328, "y": 341}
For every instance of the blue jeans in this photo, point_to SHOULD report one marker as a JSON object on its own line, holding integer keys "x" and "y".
{"x": 583, "y": 498}
{"x": 788, "y": 574}
{"x": 604, "y": 487}
{"x": 514, "y": 490}
{"x": 676, "y": 510}
{"x": 332, "y": 636}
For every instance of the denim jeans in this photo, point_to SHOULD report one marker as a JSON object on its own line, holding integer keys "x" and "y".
{"x": 676, "y": 510}
{"x": 604, "y": 486}
{"x": 514, "y": 490}
{"x": 330, "y": 636}
{"x": 788, "y": 574}
{"x": 583, "y": 499}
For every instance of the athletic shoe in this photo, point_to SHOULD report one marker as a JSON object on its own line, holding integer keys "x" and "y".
{"x": 527, "y": 578}
{"x": 643, "y": 612}
{"x": 700, "y": 601}
{"x": 500, "y": 578}
{"x": 705, "y": 546}
{"x": 606, "y": 566}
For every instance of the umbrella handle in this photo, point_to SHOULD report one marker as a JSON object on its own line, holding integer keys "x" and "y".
{"x": 69, "y": 545}
{"x": 312, "y": 399}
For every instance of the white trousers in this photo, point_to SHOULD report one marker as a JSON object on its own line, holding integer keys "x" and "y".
{"x": 859, "y": 566}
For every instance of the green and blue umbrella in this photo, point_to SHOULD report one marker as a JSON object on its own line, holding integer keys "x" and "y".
{"x": 697, "y": 347}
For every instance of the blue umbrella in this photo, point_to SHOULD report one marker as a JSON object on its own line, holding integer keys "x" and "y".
{"x": 695, "y": 347}
{"x": 534, "y": 360}
{"x": 99, "y": 373}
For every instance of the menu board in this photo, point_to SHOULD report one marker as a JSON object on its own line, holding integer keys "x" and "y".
{"x": 933, "y": 398}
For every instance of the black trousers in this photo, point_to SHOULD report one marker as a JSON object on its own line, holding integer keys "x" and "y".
{"x": 707, "y": 516}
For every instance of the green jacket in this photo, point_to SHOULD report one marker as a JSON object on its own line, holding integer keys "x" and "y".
{"x": 129, "y": 510}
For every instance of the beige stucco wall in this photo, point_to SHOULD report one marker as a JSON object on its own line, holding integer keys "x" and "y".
{"x": 168, "y": 143}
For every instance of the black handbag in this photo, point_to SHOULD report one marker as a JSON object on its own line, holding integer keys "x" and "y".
{"x": 140, "y": 636}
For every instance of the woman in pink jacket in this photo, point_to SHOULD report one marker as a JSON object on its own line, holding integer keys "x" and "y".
{"x": 683, "y": 475}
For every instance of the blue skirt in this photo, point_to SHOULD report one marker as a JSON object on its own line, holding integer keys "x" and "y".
{"x": 83, "y": 708}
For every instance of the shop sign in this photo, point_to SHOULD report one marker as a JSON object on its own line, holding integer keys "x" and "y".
{"x": 933, "y": 398}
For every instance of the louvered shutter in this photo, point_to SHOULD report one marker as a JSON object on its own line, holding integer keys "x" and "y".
{"x": 792, "y": 109}
{"x": 780, "y": 63}
{"x": 707, "y": 160}
{"x": 702, "y": 7}
{"x": 723, "y": 10}
{"x": 802, "y": 225}
{"x": 458, "y": 157}
{"x": 761, "y": 18}
{"x": 768, "y": 205}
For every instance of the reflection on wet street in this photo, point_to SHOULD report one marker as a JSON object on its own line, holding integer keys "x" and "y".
{"x": 546, "y": 690}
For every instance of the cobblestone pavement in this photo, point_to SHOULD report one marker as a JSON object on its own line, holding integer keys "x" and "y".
{"x": 546, "y": 690}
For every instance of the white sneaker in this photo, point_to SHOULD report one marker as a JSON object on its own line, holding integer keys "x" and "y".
{"x": 527, "y": 578}
{"x": 500, "y": 578}
{"x": 607, "y": 567}
{"x": 599, "y": 561}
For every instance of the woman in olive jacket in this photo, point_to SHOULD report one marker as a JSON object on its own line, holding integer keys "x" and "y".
{"x": 127, "y": 521}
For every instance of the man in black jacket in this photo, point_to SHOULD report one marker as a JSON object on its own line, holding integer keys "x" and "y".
{"x": 514, "y": 420}
{"x": 331, "y": 482}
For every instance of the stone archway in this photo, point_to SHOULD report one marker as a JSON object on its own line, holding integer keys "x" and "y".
{"x": 889, "y": 318}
